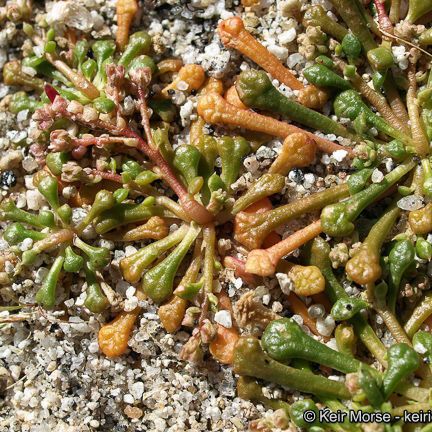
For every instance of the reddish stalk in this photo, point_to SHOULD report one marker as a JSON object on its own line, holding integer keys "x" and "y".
{"x": 58, "y": 109}
{"x": 383, "y": 19}
{"x": 198, "y": 212}
{"x": 60, "y": 140}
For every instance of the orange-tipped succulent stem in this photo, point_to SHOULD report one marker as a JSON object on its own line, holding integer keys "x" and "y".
{"x": 214, "y": 109}
{"x": 251, "y": 229}
{"x": 234, "y": 35}
{"x": 126, "y": 11}
{"x": 263, "y": 262}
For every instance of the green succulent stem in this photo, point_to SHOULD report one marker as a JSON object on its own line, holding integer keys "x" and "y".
{"x": 267, "y": 185}
{"x": 402, "y": 362}
{"x": 249, "y": 389}
{"x": 254, "y": 228}
{"x": 16, "y": 232}
{"x": 283, "y": 339}
{"x": 134, "y": 265}
{"x": 349, "y": 104}
{"x": 232, "y": 150}
{"x": 10, "y": 212}
{"x": 338, "y": 219}
{"x": 46, "y": 296}
{"x": 417, "y": 8}
{"x": 401, "y": 256}
{"x": 316, "y": 16}
{"x": 158, "y": 282}
{"x": 322, "y": 76}
{"x": 353, "y": 15}
{"x": 102, "y": 51}
{"x": 72, "y": 262}
{"x": 251, "y": 360}
{"x": 95, "y": 301}
{"x": 104, "y": 200}
{"x": 320, "y": 251}
{"x": 256, "y": 91}
{"x": 54, "y": 239}
{"x": 139, "y": 43}
{"x": 125, "y": 213}
{"x": 186, "y": 161}
{"x": 422, "y": 311}
{"x": 98, "y": 257}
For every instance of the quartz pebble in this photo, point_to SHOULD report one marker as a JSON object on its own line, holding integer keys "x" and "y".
{"x": 411, "y": 203}
{"x": 223, "y": 317}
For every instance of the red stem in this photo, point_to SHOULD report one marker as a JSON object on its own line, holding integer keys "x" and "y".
{"x": 383, "y": 18}
{"x": 106, "y": 175}
{"x": 196, "y": 211}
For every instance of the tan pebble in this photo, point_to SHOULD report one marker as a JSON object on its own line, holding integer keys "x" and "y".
{"x": 133, "y": 412}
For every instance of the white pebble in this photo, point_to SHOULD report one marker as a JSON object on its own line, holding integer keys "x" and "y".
{"x": 69, "y": 303}
{"x": 137, "y": 389}
{"x": 182, "y": 85}
{"x": 223, "y": 317}
{"x": 325, "y": 326}
{"x": 339, "y": 155}
{"x": 69, "y": 191}
{"x": 128, "y": 398}
{"x": 411, "y": 202}
{"x": 35, "y": 200}
{"x": 285, "y": 282}
{"x": 130, "y": 304}
{"x": 287, "y": 36}
{"x": 93, "y": 347}
{"x": 266, "y": 299}
{"x": 294, "y": 59}
{"x": 29, "y": 164}
{"x": 309, "y": 180}
{"x": 40, "y": 274}
{"x": 109, "y": 244}
{"x": 22, "y": 115}
{"x": 26, "y": 244}
{"x": 238, "y": 283}
{"x": 277, "y": 307}
{"x": 130, "y": 292}
{"x": 129, "y": 250}
{"x": 280, "y": 52}
{"x": 377, "y": 176}
{"x": 332, "y": 344}
{"x": 298, "y": 319}
{"x": 29, "y": 71}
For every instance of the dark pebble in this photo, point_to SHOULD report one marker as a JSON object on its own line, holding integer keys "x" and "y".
{"x": 8, "y": 179}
